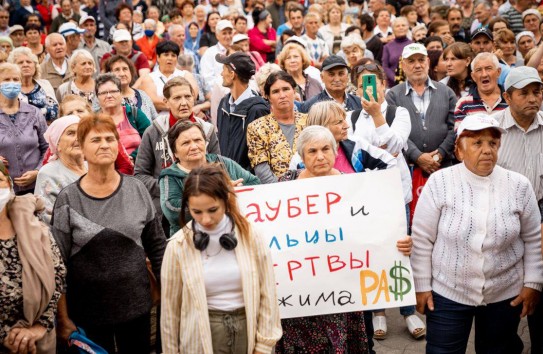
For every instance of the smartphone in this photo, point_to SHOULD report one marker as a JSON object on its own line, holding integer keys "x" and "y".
{"x": 369, "y": 81}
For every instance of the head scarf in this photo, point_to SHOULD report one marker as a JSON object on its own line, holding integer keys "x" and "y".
{"x": 262, "y": 16}
{"x": 54, "y": 132}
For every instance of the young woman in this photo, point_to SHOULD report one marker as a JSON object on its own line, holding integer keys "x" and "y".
{"x": 218, "y": 286}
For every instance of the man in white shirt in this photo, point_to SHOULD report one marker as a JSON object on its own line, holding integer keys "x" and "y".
{"x": 166, "y": 68}
{"x": 211, "y": 69}
{"x": 4, "y": 22}
{"x": 215, "y": 5}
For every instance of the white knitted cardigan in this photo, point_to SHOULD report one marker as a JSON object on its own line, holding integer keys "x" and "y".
{"x": 477, "y": 240}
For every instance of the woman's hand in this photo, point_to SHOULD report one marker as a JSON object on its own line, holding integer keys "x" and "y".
{"x": 26, "y": 179}
{"x": 528, "y": 297}
{"x": 4, "y": 160}
{"x": 405, "y": 245}
{"x": 424, "y": 299}
{"x": 372, "y": 106}
{"x": 23, "y": 340}
{"x": 237, "y": 183}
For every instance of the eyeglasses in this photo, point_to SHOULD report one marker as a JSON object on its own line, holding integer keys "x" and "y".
{"x": 368, "y": 67}
{"x": 107, "y": 93}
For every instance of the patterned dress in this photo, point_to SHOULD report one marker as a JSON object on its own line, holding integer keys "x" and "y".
{"x": 11, "y": 287}
{"x": 340, "y": 333}
{"x": 39, "y": 99}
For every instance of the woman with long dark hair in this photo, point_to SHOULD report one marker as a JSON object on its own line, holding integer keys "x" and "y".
{"x": 218, "y": 286}
{"x": 207, "y": 34}
{"x": 457, "y": 58}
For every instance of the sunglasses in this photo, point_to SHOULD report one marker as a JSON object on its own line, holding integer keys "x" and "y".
{"x": 368, "y": 67}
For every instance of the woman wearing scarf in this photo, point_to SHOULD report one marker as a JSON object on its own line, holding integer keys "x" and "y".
{"x": 65, "y": 165}
{"x": 32, "y": 274}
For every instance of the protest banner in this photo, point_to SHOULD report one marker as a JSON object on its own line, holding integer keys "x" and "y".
{"x": 333, "y": 241}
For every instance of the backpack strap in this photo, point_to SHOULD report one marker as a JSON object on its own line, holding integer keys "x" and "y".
{"x": 354, "y": 118}
{"x": 391, "y": 114}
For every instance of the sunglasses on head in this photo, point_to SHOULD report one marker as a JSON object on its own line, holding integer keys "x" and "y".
{"x": 368, "y": 67}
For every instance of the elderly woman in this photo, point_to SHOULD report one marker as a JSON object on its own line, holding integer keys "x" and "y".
{"x": 334, "y": 31}
{"x": 294, "y": 60}
{"x": 124, "y": 69}
{"x": 21, "y": 131}
{"x": 476, "y": 247}
{"x": 131, "y": 124}
{"x": 148, "y": 42}
{"x": 188, "y": 144}
{"x": 82, "y": 67}
{"x": 6, "y": 45}
{"x": 262, "y": 37}
{"x": 457, "y": 58}
{"x": 336, "y": 333}
{"x": 110, "y": 302}
{"x": 392, "y": 51}
{"x": 38, "y": 92}
{"x": 65, "y": 164}
{"x": 31, "y": 285}
{"x": 79, "y": 106}
{"x": 525, "y": 41}
{"x": 353, "y": 46}
{"x": 218, "y": 286}
{"x": 272, "y": 139}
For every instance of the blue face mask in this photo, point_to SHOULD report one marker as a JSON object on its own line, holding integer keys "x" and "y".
{"x": 10, "y": 90}
{"x": 149, "y": 33}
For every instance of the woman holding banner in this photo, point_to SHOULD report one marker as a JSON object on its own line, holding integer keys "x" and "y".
{"x": 476, "y": 236}
{"x": 218, "y": 285}
{"x": 334, "y": 333}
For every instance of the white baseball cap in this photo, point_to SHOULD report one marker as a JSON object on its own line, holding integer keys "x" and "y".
{"x": 240, "y": 37}
{"x": 224, "y": 24}
{"x": 412, "y": 49}
{"x": 85, "y": 19}
{"x": 121, "y": 35}
{"x": 69, "y": 28}
{"x": 476, "y": 122}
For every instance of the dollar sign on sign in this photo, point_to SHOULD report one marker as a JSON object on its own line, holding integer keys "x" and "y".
{"x": 401, "y": 285}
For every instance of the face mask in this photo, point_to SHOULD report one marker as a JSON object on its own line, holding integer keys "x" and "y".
{"x": 10, "y": 89}
{"x": 5, "y": 196}
{"x": 149, "y": 33}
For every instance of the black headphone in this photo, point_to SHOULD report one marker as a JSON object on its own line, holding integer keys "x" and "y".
{"x": 227, "y": 241}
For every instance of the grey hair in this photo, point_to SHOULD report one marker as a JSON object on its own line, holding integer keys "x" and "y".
{"x": 151, "y": 22}
{"x": 262, "y": 74}
{"x": 50, "y": 35}
{"x": 80, "y": 53}
{"x": 315, "y": 133}
{"x": 321, "y": 112}
{"x": 20, "y": 51}
{"x": 353, "y": 39}
{"x": 398, "y": 19}
{"x": 105, "y": 78}
{"x": 487, "y": 4}
{"x": 174, "y": 27}
{"x": 485, "y": 55}
{"x": 186, "y": 60}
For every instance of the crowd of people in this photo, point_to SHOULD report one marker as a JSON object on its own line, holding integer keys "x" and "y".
{"x": 126, "y": 125}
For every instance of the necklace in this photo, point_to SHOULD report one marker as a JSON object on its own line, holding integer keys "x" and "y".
{"x": 212, "y": 255}
{"x": 224, "y": 228}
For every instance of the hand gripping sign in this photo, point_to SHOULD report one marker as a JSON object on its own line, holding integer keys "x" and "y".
{"x": 333, "y": 241}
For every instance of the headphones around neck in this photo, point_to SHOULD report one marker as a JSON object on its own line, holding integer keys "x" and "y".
{"x": 227, "y": 241}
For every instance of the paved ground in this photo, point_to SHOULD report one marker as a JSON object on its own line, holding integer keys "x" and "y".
{"x": 399, "y": 341}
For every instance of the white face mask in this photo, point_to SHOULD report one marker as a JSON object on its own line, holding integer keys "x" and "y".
{"x": 5, "y": 196}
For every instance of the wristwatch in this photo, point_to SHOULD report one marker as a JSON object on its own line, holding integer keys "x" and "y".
{"x": 436, "y": 157}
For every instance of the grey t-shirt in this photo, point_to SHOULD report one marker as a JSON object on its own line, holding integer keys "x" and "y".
{"x": 288, "y": 130}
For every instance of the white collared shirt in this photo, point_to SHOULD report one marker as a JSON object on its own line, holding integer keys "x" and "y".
{"x": 61, "y": 70}
{"x": 210, "y": 69}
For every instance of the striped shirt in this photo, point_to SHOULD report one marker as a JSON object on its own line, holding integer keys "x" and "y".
{"x": 473, "y": 104}
{"x": 515, "y": 20}
{"x": 185, "y": 318}
{"x": 522, "y": 151}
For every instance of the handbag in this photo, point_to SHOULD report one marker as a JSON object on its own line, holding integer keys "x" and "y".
{"x": 84, "y": 345}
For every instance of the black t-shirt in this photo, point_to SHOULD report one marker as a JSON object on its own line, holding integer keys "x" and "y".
{"x": 208, "y": 39}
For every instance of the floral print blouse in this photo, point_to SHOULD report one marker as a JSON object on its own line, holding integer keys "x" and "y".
{"x": 267, "y": 143}
{"x": 11, "y": 287}
{"x": 48, "y": 106}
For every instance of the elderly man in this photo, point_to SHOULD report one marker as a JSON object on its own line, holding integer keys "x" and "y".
{"x": 486, "y": 95}
{"x": 210, "y": 68}
{"x": 317, "y": 48}
{"x": 4, "y": 22}
{"x": 55, "y": 69}
{"x": 483, "y": 15}
{"x": 431, "y": 107}
{"x": 66, "y": 15}
{"x": 122, "y": 44}
{"x": 521, "y": 149}
{"x": 482, "y": 41}
{"x": 97, "y": 47}
{"x": 177, "y": 35}
{"x": 72, "y": 34}
{"x": 335, "y": 76}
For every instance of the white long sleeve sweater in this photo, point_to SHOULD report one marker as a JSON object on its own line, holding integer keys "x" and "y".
{"x": 477, "y": 240}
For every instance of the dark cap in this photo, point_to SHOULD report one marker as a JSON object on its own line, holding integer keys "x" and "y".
{"x": 240, "y": 62}
{"x": 483, "y": 30}
{"x": 333, "y": 61}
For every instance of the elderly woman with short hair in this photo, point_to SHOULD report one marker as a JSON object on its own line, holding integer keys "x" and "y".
{"x": 38, "y": 92}
{"x": 104, "y": 220}
{"x": 294, "y": 60}
{"x": 354, "y": 47}
{"x": 476, "y": 247}
{"x": 130, "y": 123}
{"x": 392, "y": 51}
{"x": 81, "y": 65}
{"x": 21, "y": 131}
